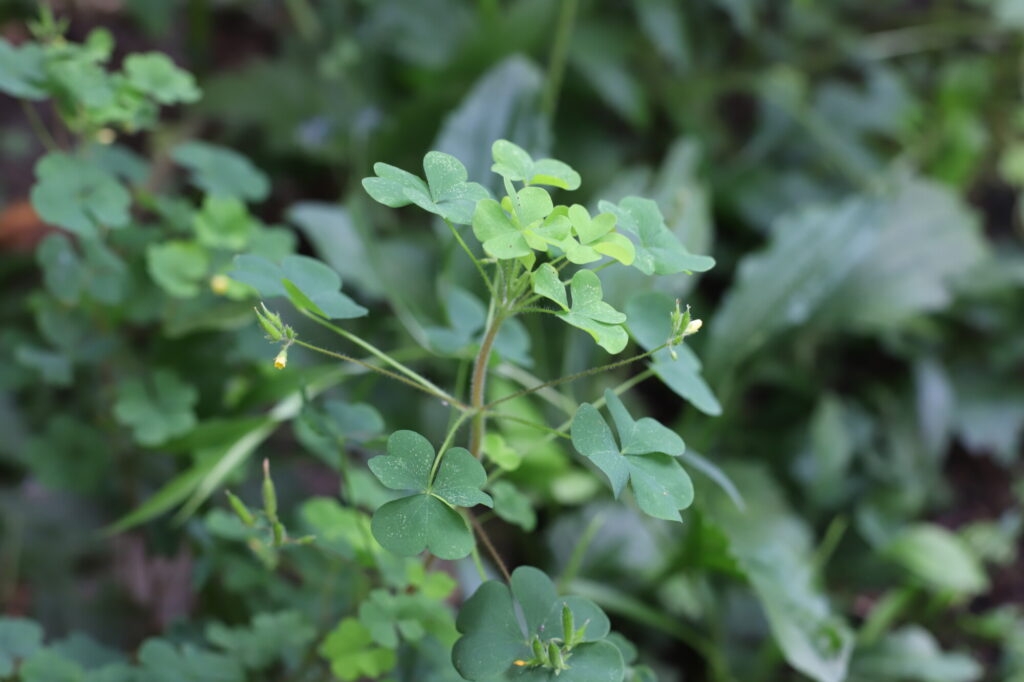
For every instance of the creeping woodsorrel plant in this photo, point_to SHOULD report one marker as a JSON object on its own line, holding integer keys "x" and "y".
{"x": 535, "y": 257}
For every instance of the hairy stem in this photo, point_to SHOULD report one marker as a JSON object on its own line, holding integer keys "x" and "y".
{"x": 384, "y": 372}
{"x": 479, "y": 383}
{"x": 482, "y": 534}
{"x": 373, "y": 350}
{"x": 472, "y": 257}
{"x": 573, "y": 377}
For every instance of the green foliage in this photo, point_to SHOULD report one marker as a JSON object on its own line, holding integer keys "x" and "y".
{"x": 427, "y": 519}
{"x": 852, "y": 417}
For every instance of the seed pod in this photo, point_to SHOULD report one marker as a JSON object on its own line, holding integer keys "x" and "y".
{"x": 241, "y": 510}
{"x": 269, "y": 494}
{"x": 278, "y": 534}
{"x": 540, "y": 654}
{"x": 267, "y": 322}
{"x": 568, "y": 627}
{"x": 555, "y": 656}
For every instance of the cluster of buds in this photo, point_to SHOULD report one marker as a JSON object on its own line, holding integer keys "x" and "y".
{"x": 278, "y": 332}
{"x": 554, "y": 654}
{"x": 267, "y": 520}
{"x": 682, "y": 326}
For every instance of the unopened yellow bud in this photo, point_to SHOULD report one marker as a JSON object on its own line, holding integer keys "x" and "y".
{"x": 105, "y": 136}
{"x": 282, "y": 359}
{"x": 693, "y": 327}
{"x": 219, "y": 284}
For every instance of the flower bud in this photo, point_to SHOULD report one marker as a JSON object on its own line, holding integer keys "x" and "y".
{"x": 282, "y": 359}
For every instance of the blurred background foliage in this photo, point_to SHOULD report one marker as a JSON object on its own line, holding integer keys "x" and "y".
{"x": 855, "y": 169}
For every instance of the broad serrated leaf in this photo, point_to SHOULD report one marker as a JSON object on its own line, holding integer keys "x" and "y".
{"x": 154, "y": 74}
{"x": 224, "y": 223}
{"x": 22, "y": 70}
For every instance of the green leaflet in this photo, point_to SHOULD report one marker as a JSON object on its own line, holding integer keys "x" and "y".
{"x": 222, "y": 172}
{"x": 516, "y": 228}
{"x": 643, "y": 457}
{"x": 492, "y": 640}
{"x": 78, "y": 195}
{"x": 427, "y": 519}
{"x": 590, "y": 313}
{"x": 158, "y": 409}
{"x": 597, "y": 238}
{"x": 514, "y": 163}
{"x": 445, "y": 193}
{"x": 350, "y": 650}
{"x": 658, "y": 250}
{"x": 306, "y": 282}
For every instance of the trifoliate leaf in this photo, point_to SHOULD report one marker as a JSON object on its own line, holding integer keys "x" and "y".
{"x": 590, "y": 313}
{"x": 22, "y": 70}
{"x": 658, "y": 250}
{"x": 493, "y": 642}
{"x": 49, "y": 666}
{"x": 157, "y": 408}
{"x": 352, "y": 654}
{"x": 513, "y": 506}
{"x": 224, "y": 223}
{"x": 19, "y": 639}
{"x": 180, "y": 268}
{"x": 306, "y": 282}
{"x": 427, "y": 519}
{"x": 445, "y": 193}
{"x": 548, "y": 284}
{"x": 597, "y": 238}
{"x": 270, "y": 637}
{"x": 643, "y": 457}
{"x": 161, "y": 661}
{"x": 498, "y": 451}
{"x": 514, "y": 163}
{"x": 222, "y": 172}
{"x": 154, "y": 74}
{"x": 79, "y": 196}
{"x": 513, "y": 229}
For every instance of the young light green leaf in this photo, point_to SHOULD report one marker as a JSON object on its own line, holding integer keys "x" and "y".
{"x": 514, "y": 163}
{"x": 493, "y": 644}
{"x": 222, "y": 172}
{"x": 22, "y": 70}
{"x": 658, "y": 250}
{"x": 154, "y": 74}
{"x": 590, "y": 313}
{"x": 597, "y": 238}
{"x": 513, "y": 506}
{"x": 515, "y": 229}
{"x": 19, "y": 639}
{"x": 308, "y": 283}
{"x": 350, "y": 650}
{"x": 499, "y": 452}
{"x": 179, "y": 267}
{"x": 224, "y": 223}
{"x": 427, "y": 519}
{"x": 157, "y": 409}
{"x": 548, "y": 284}
{"x": 79, "y": 196}
{"x": 445, "y": 193}
{"x": 643, "y": 457}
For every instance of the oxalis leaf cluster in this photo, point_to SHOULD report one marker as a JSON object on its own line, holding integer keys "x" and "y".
{"x": 530, "y": 254}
